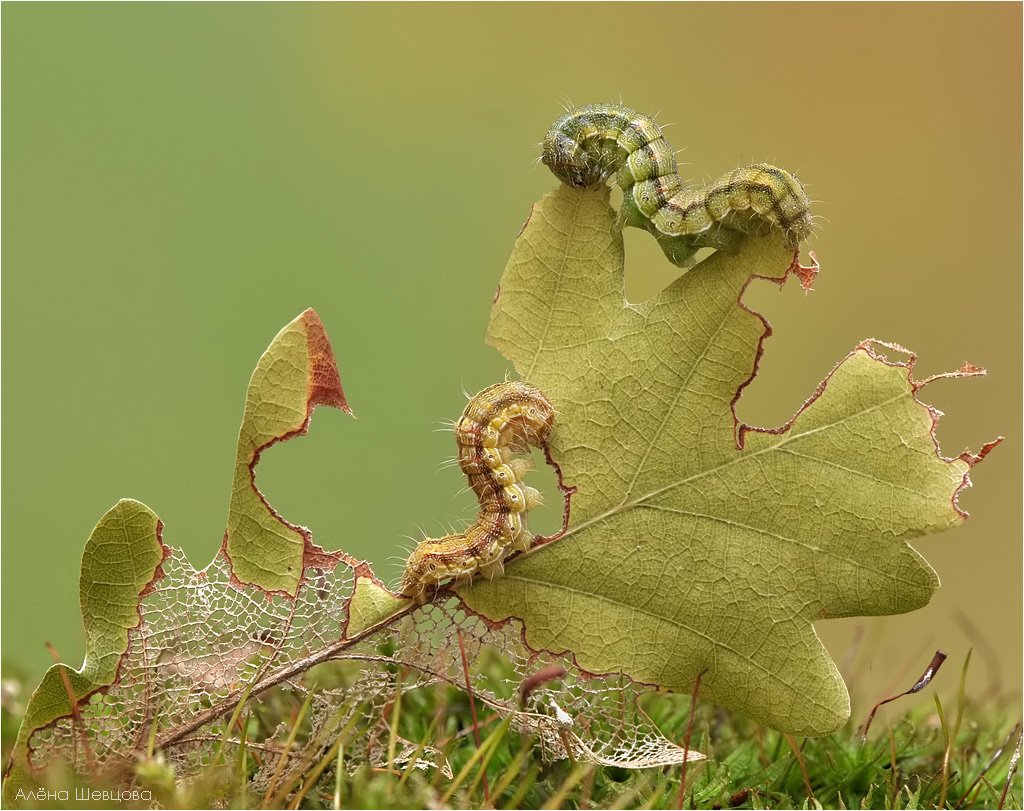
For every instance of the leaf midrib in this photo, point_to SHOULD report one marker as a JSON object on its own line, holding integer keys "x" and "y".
{"x": 795, "y": 541}
{"x": 627, "y": 504}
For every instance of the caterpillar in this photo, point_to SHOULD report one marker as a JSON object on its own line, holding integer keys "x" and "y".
{"x": 588, "y": 145}
{"x": 499, "y": 422}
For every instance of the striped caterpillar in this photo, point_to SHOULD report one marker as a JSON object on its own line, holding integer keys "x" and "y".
{"x": 586, "y": 146}
{"x": 499, "y": 422}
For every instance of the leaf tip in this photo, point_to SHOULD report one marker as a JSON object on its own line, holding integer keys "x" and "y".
{"x": 805, "y": 274}
{"x": 324, "y": 383}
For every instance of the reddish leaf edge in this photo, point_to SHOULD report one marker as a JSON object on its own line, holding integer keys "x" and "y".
{"x": 805, "y": 275}
{"x": 872, "y": 346}
{"x": 323, "y": 388}
{"x": 22, "y": 756}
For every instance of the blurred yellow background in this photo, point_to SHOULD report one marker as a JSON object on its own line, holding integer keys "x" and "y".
{"x": 180, "y": 180}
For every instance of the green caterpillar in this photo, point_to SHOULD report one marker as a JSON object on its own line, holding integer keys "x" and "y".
{"x": 586, "y": 146}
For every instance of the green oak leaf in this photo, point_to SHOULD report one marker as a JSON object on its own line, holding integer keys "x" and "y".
{"x": 694, "y": 544}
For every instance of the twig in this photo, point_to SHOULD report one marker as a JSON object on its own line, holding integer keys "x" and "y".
{"x": 686, "y": 740}
{"x": 899, "y": 676}
{"x": 799, "y": 755}
{"x": 266, "y": 748}
{"x": 920, "y": 684}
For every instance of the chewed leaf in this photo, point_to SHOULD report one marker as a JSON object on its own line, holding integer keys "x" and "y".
{"x": 122, "y": 558}
{"x": 295, "y": 374}
{"x": 165, "y": 641}
{"x": 172, "y": 650}
{"x": 695, "y": 544}
{"x": 370, "y": 604}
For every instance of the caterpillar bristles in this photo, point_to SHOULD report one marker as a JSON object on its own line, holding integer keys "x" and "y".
{"x": 588, "y": 146}
{"x": 520, "y": 467}
{"x": 495, "y": 424}
{"x": 534, "y": 498}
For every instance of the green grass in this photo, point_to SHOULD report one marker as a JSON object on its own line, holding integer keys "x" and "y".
{"x": 933, "y": 756}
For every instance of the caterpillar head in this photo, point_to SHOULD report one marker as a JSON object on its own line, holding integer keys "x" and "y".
{"x": 423, "y": 568}
{"x": 570, "y": 163}
{"x": 434, "y": 562}
{"x": 536, "y": 418}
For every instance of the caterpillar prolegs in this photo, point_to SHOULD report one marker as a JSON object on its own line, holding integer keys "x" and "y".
{"x": 499, "y": 422}
{"x": 586, "y": 146}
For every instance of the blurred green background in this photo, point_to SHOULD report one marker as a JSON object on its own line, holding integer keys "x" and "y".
{"x": 181, "y": 180}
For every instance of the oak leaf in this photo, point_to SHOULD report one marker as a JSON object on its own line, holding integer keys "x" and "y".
{"x": 696, "y": 544}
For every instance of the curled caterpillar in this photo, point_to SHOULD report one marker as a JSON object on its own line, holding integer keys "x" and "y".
{"x": 586, "y": 146}
{"x": 499, "y": 422}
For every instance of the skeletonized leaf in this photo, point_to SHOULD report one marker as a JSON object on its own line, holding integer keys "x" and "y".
{"x": 165, "y": 642}
{"x": 171, "y": 650}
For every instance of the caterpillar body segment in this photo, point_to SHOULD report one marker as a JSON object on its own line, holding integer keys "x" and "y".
{"x": 588, "y": 146}
{"x": 499, "y": 422}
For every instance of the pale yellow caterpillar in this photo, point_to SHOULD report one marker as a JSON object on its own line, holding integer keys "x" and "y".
{"x": 499, "y": 422}
{"x": 586, "y": 146}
